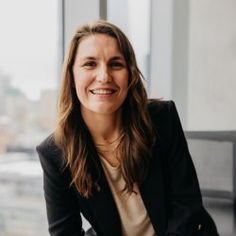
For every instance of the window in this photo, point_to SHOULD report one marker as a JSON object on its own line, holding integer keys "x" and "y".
{"x": 28, "y": 87}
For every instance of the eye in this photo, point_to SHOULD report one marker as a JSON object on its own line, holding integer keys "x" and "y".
{"x": 90, "y": 64}
{"x": 116, "y": 64}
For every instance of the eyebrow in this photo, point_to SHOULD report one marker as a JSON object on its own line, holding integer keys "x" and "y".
{"x": 88, "y": 58}
{"x": 115, "y": 58}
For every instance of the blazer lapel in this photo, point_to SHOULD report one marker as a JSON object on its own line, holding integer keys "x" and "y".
{"x": 104, "y": 208}
{"x": 152, "y": 192}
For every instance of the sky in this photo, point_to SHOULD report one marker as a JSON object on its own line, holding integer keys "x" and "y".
{"x": 29, "y": 44}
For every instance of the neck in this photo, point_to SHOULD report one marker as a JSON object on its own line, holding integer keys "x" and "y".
{"x": 104, "y": 128}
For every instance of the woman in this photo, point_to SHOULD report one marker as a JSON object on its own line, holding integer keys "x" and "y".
{"x": 117, "y": 158}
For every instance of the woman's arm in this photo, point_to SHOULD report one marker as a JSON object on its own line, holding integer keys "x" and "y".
{"x": 62, "y": 207}
{"x": 185, "y": 201}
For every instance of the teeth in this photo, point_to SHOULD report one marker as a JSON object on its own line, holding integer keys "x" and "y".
{"x": 102, "y": 91}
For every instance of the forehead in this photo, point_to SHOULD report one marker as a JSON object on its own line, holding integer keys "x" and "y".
{"x": 98, "y": 44}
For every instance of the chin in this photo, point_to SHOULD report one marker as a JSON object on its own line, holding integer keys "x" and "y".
{"x": 106, "y": 110}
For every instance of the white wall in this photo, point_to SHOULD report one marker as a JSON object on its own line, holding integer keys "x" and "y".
{"x": 212, "y": 65}
{"x": 193, "y": 60}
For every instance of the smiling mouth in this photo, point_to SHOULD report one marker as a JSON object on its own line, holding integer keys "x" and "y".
{"x": 102, "y": 91}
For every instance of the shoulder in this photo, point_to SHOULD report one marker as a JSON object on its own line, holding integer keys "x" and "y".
{"x": 47, "y": 145}
{"x": 160, "y": 110}
{"x": 49, "y": 152}
{"x": 164, "y": 117}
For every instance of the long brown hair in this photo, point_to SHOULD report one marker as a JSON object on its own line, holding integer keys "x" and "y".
{"x": 73, "y": 137}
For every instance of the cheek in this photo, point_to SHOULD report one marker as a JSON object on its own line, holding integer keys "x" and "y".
{"x": 80, "y": 88}
{"x": 81, "y": 82}
{"x": 124, "y": 83}
{"x": 122, "y": 79}
{"x": 124, "y": 89}
{"x": 81, "y": 92}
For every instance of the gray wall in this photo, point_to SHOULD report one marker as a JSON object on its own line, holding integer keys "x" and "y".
{"x": 161, "y": 49}
{"x": 77, "y": 12}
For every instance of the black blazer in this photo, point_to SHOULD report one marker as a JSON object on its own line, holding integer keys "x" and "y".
{"x": 170, "y": 192}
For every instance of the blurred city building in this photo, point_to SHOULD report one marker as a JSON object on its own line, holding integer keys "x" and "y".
{"x": 22, "y": 207}
{"x": 21, "y": 118}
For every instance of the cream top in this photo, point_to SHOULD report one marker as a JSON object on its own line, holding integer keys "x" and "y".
{"x": 133, "y": 214}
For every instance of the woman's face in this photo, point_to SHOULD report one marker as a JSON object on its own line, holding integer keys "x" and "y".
{"x": 100, "y": 75}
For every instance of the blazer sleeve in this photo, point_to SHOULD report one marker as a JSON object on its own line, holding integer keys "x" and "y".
{"x": 62, "y": 207}
{"x": 184, "y": 196}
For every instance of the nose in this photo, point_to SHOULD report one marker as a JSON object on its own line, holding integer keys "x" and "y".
{"x": 103, "y": 74}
